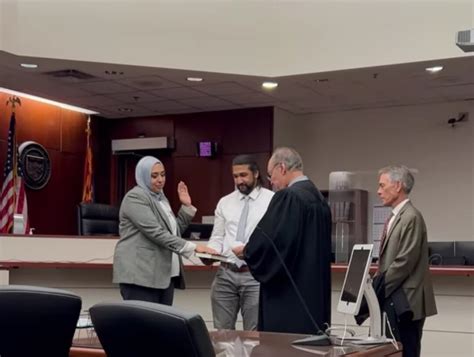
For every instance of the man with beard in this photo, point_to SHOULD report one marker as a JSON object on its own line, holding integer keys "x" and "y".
{"x": 292, "y": 244}
{"x": 236, "y": 216}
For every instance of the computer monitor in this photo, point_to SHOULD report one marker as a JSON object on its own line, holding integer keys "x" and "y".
{"x": 357, "y": 283}
{"x": 198, "y": 231}
{"x": 355, "y": 279}
{"x": 206, "y": 149}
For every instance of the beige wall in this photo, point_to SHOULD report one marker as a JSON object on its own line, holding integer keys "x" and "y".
{"x": 417, "y": 136}
{"x": 268, "y": 38}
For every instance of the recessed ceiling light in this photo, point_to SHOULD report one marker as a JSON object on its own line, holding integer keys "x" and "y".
{"x": 194, "y": 79}
{"x": 434, "y": 69}
{"x": 29, "y": 65}
{"x": 269, "y": 85}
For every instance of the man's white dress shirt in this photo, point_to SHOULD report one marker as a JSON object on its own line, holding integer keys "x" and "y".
{"x": 227, "y": 216}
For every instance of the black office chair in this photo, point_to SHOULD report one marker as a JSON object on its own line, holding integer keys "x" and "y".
{"x": 442, "y": 253}
{"x": 36, "y": 321}
{"x": 138, "y": 328}
{"x": 97, "y": 219}
{"x": 465, "y": 250}
{"x": 198, "y": 231}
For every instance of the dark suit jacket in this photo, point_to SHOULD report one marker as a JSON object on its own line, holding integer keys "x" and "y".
{"x": 396, "y": 306}
{"x": 404, "y": 262}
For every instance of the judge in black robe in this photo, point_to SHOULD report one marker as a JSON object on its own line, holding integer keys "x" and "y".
{"x": 296, "y": 229}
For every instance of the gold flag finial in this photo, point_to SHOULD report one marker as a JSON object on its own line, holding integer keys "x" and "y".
{"x": 14, "y": 101}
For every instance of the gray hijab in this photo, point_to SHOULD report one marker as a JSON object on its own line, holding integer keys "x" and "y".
{"x": 143, "y": 172}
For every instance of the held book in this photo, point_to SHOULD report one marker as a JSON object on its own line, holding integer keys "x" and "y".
{"x": 216, "y": 257}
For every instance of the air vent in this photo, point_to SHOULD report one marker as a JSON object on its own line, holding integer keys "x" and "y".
{"x": 465, "y": 40}
{"x": 69, "y": 74}
{"x": 139, "y": 144}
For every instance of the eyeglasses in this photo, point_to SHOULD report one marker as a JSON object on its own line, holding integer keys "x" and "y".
{"x": 270, "y": 174}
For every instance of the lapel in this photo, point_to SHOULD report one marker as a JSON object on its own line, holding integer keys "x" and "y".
{"x": 394, "y": 224}
{"x": 164, "y": 217}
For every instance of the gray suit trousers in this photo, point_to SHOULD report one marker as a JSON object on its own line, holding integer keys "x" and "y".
{"x": 233, "y": 291}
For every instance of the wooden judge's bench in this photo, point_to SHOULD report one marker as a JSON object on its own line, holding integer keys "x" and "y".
{"x": 265, "y": 344}
{"x": 83, "y": 265}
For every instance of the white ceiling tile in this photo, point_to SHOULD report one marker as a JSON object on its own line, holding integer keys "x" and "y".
{"x": 97, "y": 100}
{"x": 225, "y": 88}
{"x": 178, "y": 93}
{"x": 249, "y": 98}
{"x": 104, "y": 87}
{"x": 167, "y": 105}
{"x": 134, "y": 97}
{"x": 148, "y": 82}
{"x": 206, "y": 102}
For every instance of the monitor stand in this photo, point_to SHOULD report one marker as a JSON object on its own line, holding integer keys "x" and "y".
{"x": 376, "y": 333}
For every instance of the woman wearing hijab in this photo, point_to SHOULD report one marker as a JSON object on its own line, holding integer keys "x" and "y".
{"x": 146, "y": 262}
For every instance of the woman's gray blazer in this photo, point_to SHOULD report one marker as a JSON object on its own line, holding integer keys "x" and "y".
{"x": 143, "y": 252}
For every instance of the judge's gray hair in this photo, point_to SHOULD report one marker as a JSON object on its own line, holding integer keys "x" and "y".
{"x": 399, "y": 173}
{"x": 289, "y": 157}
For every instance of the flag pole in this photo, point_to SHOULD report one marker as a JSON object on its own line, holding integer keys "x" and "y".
{"x": 14, "y": 101}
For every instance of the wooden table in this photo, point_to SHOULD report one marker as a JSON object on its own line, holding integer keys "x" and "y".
{"x": 246, "y": 343}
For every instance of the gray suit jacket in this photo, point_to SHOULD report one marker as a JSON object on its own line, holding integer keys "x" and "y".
{"x": 404, "y": 260}
{"x": 143, "y": 252}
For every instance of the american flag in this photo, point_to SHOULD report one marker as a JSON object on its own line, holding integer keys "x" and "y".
{"x": 13, "y": 196}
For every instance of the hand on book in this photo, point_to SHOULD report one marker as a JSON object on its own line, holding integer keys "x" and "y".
{"x": 239, "y": 251}
{"x": 205, "y": 249}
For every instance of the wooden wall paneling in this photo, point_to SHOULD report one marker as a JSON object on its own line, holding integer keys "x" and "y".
{"x": 203, "y": 178}
{"x": 247, "y": 131}
{"x": 148, "y": 126}
{"x": 236, "y": 132}
{"x": 4, "y": 117}
{"x": 191, "y": 130}
{"x": 226, "y": 178}
{"x": 71, "y": 187}
{"x": 39, "y": 122}
{"x": 45, "y": 209}
{"x": 112, "y": 178}
{"x": 103, "y": 162}
{"x": 51, "y": 210}
{"x": 73, "y": 132}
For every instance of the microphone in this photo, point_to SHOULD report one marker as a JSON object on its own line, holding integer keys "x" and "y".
{"x": 321, "y": 338}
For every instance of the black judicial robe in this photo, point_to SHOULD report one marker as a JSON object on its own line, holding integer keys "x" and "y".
{"x": 298, "y": 223}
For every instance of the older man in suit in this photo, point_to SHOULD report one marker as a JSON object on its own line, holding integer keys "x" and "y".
{"x": 404, "y": 255}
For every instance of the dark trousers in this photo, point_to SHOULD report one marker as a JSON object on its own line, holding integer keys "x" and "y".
{"x": 410, "y": 337}
{"x": 142, "y": 293}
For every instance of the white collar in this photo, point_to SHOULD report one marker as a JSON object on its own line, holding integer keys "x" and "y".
{"x": 253, "y": 195}
{"x": 398, "y": 207}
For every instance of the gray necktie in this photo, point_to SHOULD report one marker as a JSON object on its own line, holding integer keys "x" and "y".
{"x": 240, "y": 237}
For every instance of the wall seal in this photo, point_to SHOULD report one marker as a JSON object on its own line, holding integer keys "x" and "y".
{"x": 35, "y": 164}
